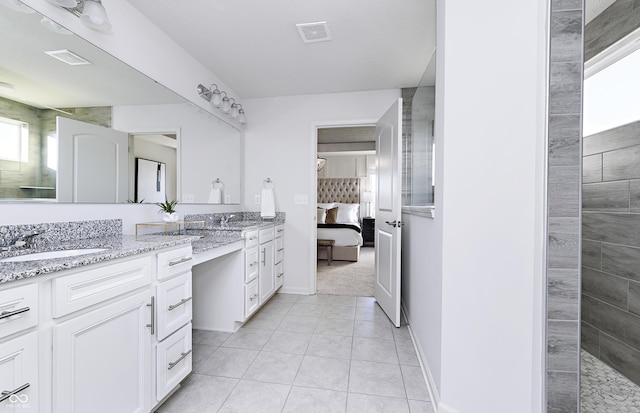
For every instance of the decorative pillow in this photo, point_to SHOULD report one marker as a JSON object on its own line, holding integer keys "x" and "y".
{"x": 332, "y": 214}
{"x": 326, "y": 205}
{"x": 348, "y": 213}
{"x": 322, "y": 215}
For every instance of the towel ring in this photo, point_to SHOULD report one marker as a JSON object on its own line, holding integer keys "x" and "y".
{"x": 267, "y": 184}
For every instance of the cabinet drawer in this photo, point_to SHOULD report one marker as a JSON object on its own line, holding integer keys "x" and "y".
{"x": 250, "y": 238}
{"x": 279, "y": 250}
{"x": 19, "y": 373}
{"x": 173, "y": 361}
{"x": 279, "y": 230}
{"x": 18, "y": 309}
{"x": 88, "y": 287}
{"x": 279, "y": 274}
{"x": 174, "y": 305}
{"x": 251, "y": 264}
{"x": 266, "y": 235}
{"x": 251, "y": 298}
{"x": 174, "y": 262}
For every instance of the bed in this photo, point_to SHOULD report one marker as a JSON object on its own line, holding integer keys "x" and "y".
{"x": 339, "y": 217}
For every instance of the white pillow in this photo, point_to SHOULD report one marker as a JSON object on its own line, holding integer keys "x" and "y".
{"x": 322, "y": 215}
{"x": 326, "y": 205}
{"x": 348, "y": 213}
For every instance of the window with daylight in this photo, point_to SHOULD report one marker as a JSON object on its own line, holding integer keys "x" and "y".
{"x": 14, "y": 140}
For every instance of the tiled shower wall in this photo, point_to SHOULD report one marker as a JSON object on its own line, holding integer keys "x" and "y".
{"x": 563, "y": 206}
{"x": 611, "y": 248}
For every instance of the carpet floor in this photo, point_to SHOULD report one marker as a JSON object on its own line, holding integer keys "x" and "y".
{"x": 346, "y": 277}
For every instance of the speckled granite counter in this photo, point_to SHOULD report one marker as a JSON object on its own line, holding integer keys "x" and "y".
{"x": 119, "y": 247}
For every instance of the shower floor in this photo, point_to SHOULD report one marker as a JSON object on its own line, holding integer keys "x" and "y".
{"x": 603, "y": 389}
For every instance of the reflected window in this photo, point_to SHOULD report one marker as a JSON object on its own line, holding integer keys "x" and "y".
{"x": 14, "y": 140}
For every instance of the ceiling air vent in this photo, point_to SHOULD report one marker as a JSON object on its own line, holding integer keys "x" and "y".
{"x": 314, "y": 32}
{"x": 68, "y": 57}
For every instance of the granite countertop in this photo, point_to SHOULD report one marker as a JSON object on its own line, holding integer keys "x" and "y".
{"x": 123, "y": 246}
{"x": 118, "y": 247}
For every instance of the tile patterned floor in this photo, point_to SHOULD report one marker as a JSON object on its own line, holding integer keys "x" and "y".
{"x": 320, "y": 353}
{"x": 603, "y": 389}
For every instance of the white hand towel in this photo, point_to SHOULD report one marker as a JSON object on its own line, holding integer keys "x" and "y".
{"x": 268, "y": 204}
{"x": 215, "y": 195}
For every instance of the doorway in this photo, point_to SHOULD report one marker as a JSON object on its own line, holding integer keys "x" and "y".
{"x": 345, "y": 196}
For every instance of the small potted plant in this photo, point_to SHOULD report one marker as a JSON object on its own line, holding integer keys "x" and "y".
{"x": 168, "y": 210}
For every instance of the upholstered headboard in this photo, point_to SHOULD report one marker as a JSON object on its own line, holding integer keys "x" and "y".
{"x": 345, "y": 190}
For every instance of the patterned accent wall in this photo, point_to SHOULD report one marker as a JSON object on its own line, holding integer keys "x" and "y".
{"x": 563, "y": 203}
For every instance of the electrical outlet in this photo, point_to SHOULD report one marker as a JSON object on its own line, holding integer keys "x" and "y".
{"x": 256, "y": 199}
{"x": 188, "y": 198}
{"x": 227, "y": 199}
{"x": 301, "y": 199}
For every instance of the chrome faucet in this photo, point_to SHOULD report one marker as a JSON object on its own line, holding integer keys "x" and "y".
{"x": 225, "y": 219}
{"x": 25, "y": 240}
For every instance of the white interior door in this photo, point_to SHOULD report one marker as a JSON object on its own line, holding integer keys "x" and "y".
{"x": 93, "y": 163}
{"x": 388, "y": 211}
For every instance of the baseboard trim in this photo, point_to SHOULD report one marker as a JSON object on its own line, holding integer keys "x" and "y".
{"x": 301, "y": 291}
{"x": 432, "y": 389}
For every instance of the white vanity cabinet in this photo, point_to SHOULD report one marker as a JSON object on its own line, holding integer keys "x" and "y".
{"x": 19, "y": 349}
{"x": 266, "y": 275}
{"x": 251, "y": 272}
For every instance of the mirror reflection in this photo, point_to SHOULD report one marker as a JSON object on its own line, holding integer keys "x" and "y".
{"x": 49, "y": 78}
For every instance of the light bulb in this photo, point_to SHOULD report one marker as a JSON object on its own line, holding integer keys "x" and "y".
{"x": 95, "y": 17}
{"x": 234, "y": 110}
{"x": 216, "y": 98}
{"x": 226, "y": 106}
{"x": 241, "y": 116}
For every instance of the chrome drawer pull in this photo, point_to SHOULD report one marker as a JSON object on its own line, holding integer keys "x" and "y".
{"x": 184, "y": 300}
{"x": 182, "y": 356}
{"x": 8, "y": 393}
{"x": 281, "y": 249}
{"x": 180, "y": 261}
{"x": 252, "y": 297}
{"x": 280, "y": 275}
{"x": 7, "y": 314}
{"x": 153, "y": 315}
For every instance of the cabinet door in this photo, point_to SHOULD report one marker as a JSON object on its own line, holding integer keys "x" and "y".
{"x": 267, "y": 272}
{"x": 102, "y": 359}
{"x": 251, "y": 263}
{"x": 19, "y": 374}
{"x": 279, "y": 274}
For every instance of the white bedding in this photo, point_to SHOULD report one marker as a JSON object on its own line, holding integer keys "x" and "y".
{"x": 344, "y": 237}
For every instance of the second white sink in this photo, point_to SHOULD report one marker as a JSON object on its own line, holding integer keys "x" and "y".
{"x": 53, "y": 254}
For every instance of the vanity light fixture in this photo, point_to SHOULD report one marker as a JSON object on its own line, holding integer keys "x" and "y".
{"x": 91, "y": 13}
{"x": 222, "y": 101}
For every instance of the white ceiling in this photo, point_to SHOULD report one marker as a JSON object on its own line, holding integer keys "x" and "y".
{"x": 254, "y": 45}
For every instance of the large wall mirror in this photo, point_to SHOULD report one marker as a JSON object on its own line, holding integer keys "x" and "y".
{"x": 50, "y": 77}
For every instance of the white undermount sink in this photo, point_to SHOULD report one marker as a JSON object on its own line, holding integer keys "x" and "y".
{"x": 53, "y": 254}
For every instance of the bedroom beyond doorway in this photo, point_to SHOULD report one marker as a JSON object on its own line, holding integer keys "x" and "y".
{"x": 346, "y": 277}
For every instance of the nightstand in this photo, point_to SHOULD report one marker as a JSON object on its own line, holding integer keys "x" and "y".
{"x": 368, "y": 231}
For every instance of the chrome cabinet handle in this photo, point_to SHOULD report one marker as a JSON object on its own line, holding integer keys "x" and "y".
{"x": 184, "y": 300}
{"x": 280, "y": 275}
{"x": 182, "y": 356}
{"x": 280, "y": 230}
{"x": 7, "y": 314}
{"x": 180, "y": 261}
{"x": 153, "y": 315}
{"x": 252, "y": 297}
{"x": 8, "y": 393}
{"x": 264, "y": 257}
{"x": 281, "y": 249}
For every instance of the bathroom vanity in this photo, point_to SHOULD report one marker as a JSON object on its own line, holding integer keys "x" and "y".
{"x": 110, "y": 331}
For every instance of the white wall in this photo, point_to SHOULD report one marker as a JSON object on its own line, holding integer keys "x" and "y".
{"x": 490, "y": 134}
{"x": 280, "y": 144}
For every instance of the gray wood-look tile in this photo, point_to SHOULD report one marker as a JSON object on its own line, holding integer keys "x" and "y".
{"x": 565, "y": 88}
{"x": 563, "y": 343}
{"x": 613, "y": 24}
{"x": 621, "y": 260}
{"x": 590, "y": 338}
{"x": 612, "y": 139}
{"x": 563, "y": 191}
{"x": 566, "y": 5}
{"x": 621, "y": 357}
{"x": 592, "y": 168}
{"x": 605, "y": 287}
{"x": 621, "y": 164}
{"x": 563, "y": 292}
{"x": 606, "y": 196}
{"x": 564, "y": 140}
{"x": 562, "y": 392}
{"x": 620, "y": 324}
{"x": 614, "y": 228}
{"x": 592, "y": 254}
{"x": 634, "y": 195}
{"x": 566, "y": 36}
{"x": 634, "y": 298}
{"x": 564, "y": 243}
